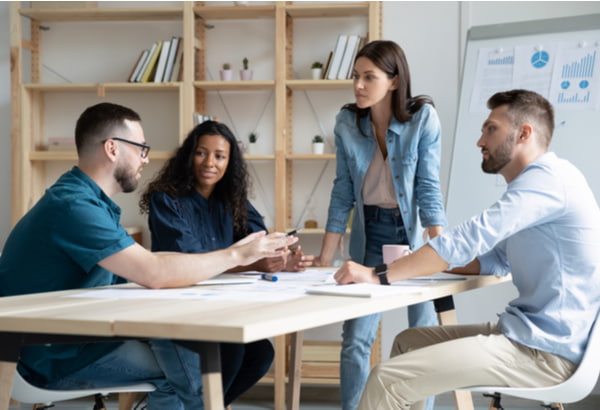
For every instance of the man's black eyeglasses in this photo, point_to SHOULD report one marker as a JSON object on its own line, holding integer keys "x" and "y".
{"x": 145, "y": 148}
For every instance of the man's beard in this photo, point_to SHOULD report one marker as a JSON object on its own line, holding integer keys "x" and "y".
{"x": 126, "y": 179}
{"x": 502, "y": 156}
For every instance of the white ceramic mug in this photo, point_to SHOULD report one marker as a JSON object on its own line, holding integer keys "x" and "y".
{"x": 393, "y": 252}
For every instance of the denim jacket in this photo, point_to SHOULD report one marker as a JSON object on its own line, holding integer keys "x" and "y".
{"x": 414, "y": 149}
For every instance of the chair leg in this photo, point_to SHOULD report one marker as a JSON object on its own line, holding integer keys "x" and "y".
{"x": 99, "y": 402}
{"x": 495, "y": 401}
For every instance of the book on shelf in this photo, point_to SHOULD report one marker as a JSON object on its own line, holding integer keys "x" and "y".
{"x": 142, "y": 70}
{"x": 151, "y": 66}
{"x": 138, "y": 66}
{"x": 177, "y": 66}
{"x": 175, "y": 45}
{"x": 347, "y": 62}
{"x": 326, "y": 66}
{"x": 200, "y": 118}
{"x": 159, "y": 73}
{"x": 336, "y": 59}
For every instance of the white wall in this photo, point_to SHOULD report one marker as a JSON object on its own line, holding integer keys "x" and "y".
{"x": 432, "y": 35}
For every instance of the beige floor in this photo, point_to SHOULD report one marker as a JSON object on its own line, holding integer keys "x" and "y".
{"x": 326, "y": 398}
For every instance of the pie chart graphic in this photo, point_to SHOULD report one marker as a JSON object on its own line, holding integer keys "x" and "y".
{"x": 540, "y": 59}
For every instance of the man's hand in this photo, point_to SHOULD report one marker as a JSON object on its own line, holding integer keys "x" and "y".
{"x": 352, "y": 272}
{"x": 258, "y": 245}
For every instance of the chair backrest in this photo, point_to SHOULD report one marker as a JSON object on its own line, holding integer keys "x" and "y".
{"x": 25, "y": 392}
{"x": 575, "y": 388}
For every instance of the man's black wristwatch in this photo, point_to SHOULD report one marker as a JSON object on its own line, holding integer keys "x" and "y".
{"x": 381, "y": 271}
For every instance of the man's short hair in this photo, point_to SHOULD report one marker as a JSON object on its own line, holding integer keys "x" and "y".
{"x": 100, "y": 122}
{"x": 527, "y": 106}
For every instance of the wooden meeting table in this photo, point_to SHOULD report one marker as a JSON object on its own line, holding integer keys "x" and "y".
{"x": 54, "y": 317}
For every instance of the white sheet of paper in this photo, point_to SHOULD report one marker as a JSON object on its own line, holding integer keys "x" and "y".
{"x": 363, "y": 290}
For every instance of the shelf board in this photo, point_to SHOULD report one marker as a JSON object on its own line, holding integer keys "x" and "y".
{"x": 234, "y": 12}
{"x": 257, "y": 157}
{"x": 320, "y": 85}
{"x": 327, "y": 10}
{"x": 47, "y": 156}
{"x": 308, "y": 231}
{"x": 95, "y": 87}
{"x": 310, "y": 157}
{"x": 103, "y": 14}
{"x": 250, "y": 85}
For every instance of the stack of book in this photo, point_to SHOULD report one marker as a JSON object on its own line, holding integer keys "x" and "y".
{"x": 200, "y": 118}
{"x": 341, "y": 60}
{"x": 161, "y": 63}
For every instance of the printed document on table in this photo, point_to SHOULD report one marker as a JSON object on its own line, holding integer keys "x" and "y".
{"x": 362, "y": 290}
{"x": 308, "y": 275}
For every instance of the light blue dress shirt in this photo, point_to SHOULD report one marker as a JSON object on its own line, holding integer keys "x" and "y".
{"x": 545, "y": 230}
{"x": 414, "y": 149}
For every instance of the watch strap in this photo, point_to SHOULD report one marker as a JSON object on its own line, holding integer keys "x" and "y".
{"x": 381, "y": 272}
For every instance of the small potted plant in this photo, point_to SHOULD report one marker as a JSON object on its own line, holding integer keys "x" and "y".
{"x": 226, "y": 73}
{"x": 317, "y": 70}
{"x": 318, "y": 145}
{"x": 252, "y": 137}
{"x": 246, "y": 73}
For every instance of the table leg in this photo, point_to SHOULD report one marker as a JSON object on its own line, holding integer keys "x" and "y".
{"x": 7, "y": 374}
{"x": 295, "y": 371}
{"x": 446, "y": 312}
{"x": 212, "y": 384}
{"x": 279, "y": 372}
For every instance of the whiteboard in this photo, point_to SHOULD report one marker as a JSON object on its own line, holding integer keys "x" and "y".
{"x": 568, "y": 48}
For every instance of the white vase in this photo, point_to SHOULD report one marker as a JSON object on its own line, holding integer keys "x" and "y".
{"x": 226, "y": 75}
{"x": 252, "y": 148}
{"x": 316, "y": 73}
{"x": 246, "y": 75}
{"x": 318, "y": 148}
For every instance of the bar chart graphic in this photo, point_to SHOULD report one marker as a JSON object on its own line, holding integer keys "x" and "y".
{"x": 582, "y": 68}
{"x": 505, "y": 60}
{"x": 576, "y": 79}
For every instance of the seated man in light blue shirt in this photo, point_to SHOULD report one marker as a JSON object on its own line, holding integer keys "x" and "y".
{"x": 545, "y": 230}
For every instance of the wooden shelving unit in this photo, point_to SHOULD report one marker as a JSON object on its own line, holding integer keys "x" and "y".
{"x": 28, "y": 99}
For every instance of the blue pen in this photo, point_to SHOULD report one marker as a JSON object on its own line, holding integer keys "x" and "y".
{"x": 268, "y": 276}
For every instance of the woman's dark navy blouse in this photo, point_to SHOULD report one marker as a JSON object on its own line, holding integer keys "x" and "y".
{"x": 192, "y": 224}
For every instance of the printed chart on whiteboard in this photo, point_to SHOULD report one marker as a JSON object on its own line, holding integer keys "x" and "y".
{"x": 567, "y": 74}
{"x": 576, "y": 78}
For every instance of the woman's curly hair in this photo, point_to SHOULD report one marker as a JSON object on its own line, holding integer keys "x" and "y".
{"x": 176, "y": 178}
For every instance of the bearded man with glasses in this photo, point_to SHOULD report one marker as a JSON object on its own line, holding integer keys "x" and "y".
{"x": 74, "y": 231}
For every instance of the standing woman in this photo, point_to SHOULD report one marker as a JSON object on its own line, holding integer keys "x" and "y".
{"x": 388, "y": 147}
